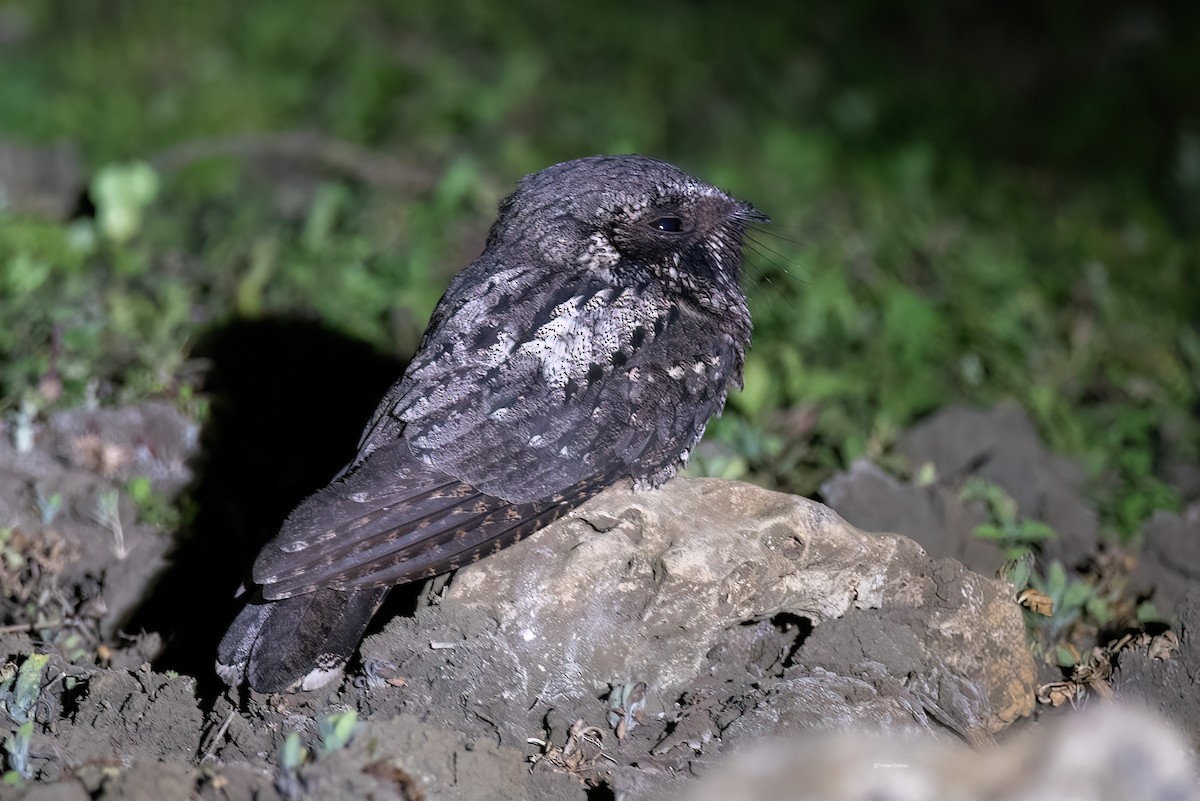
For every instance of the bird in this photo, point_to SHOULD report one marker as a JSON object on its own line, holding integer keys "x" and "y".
{"x": 589, "y": 344}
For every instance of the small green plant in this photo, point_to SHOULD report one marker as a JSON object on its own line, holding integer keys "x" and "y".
{"x": 49, "y": 506}
{"x": 73, "y": 646}
{"x": 153, "y": 507}
{"x": 336, "y": 730}
{"x": 1012, "y": 534}
{"x": 121, "y": 193}
{"x": 1054, "y": 599}
{"x": 18, "y": 699}
{"x": 1018, "y": 571}
{"x": 1074, "y": 601}
{"x": 23, "y": 425}
{"x": 292, "y": 756}
{"x": 108, "y": 514}
{"x": 13, "y": 559}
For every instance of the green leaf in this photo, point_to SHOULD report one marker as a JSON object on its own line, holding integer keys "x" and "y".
{"x": 1098, "y": 609}
{"x": 1076, "y": 595}
{"x": 29, "y": 686}
{"x": 336, "y": 729}
{"x": 23, "y": 275}
{"x": 1056, "y": 581}
{"x": 926, "y": 475}
{"x": 121, "y": 192}
{"x": 1035, "y": 531}
{"x": 987, "y": 531}
{"x": 292, "y": 754}
{"x": 1017, "y": 573}
{"x": 1064, "y": 657}
{"x": 1147, "y": 612}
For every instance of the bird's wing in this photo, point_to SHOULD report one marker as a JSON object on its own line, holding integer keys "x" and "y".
{"x": 521, "y": 397}
{"x": 395, "y": 519}
{"x": 514, "y": 411}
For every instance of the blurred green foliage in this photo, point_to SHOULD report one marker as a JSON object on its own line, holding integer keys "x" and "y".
{"x": 972, "y": 201}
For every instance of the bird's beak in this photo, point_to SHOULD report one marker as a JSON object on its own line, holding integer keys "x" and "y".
{"x": 748, "y": 214}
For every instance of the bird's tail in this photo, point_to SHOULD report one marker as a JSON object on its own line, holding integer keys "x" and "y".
{"x": 296, "y": 643}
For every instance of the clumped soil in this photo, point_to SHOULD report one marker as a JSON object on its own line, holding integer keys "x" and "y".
{"x": 128, "y": 592}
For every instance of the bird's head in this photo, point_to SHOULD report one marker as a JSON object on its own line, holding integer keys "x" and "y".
{"x": 630, "y": 220}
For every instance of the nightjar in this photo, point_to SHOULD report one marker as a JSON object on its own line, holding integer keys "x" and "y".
{"x": 590, "y": 342}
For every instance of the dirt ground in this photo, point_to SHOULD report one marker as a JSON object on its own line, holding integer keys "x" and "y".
{"x": 127, "y": 594}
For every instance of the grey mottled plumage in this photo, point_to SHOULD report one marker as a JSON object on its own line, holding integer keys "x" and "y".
{"x": 590, "y": 342}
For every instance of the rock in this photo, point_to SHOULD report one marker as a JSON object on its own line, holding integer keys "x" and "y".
{"x": 1105, "y": 752}
{"x": 1184, "y": 477}
{"x": 933, "y": 516}
{"x": 1176, "y": 457}
{"x": 1170, "y": 559}
{"x": 1167, "y": 687}
{"x": 1002, "y": 446}
{"x": 710, "y": 587}
{"x": 818, "y": 699}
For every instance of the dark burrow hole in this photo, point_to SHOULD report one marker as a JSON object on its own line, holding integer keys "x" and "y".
{"x": 763, "y": 647}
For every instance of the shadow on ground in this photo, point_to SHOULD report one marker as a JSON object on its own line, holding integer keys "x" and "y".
{"x": 289, "y": 400}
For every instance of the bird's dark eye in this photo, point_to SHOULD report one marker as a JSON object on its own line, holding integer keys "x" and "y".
{"x": 669, "y": 225}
